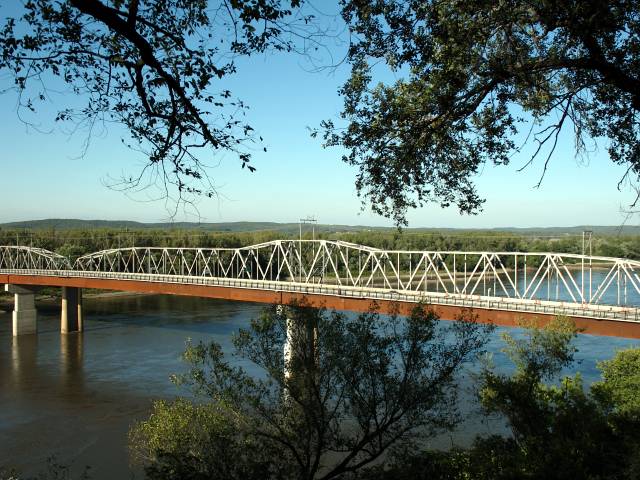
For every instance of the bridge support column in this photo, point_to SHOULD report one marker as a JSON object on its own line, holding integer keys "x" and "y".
{"x": 71, "y": 314}
{"x": 300, "y": 348}
{"x": 24, "y": 310}
{"x": 288, "y": 348}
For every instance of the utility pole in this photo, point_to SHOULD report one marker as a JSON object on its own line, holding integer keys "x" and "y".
{"x": 308, "y": 220}
{"x": 587, "y": 236}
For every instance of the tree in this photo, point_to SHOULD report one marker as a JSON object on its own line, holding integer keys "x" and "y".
{"x": 153, "y": 66}
{"x": 618, "y": 395}
{"x": 345, "y": 394}
{"x": 199, "y": 441}
{"x": 620, "y": 384}
{"x": 477, "y": 78}
{"x": 53, "y": 471}
{"x": 559, "y": 430}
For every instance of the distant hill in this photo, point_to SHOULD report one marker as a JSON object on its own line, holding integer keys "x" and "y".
{"x": 577, "y": 230}
{"x": 71, "y": 224}
{"x": 75, "y": 224}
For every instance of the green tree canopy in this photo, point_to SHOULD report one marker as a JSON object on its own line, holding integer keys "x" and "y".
{"x": 620, "y": 385}
{"x": 475, "y": 75}
{"x": 342, "y": 395}
{"x": 181, "y": 439}
{"x": 558, "y": 430}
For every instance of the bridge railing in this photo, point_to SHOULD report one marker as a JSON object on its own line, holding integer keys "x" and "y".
{"x": 520, "y": 276}
{"x": 610, "y": 312}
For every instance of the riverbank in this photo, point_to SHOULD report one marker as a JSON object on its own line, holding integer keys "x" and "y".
{"x": 49, "y": 302}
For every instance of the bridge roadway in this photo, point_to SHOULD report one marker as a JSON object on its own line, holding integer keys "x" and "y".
{"x": 599, "y": 293}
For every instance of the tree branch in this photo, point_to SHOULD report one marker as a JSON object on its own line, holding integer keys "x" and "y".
{"x": 102, "y": 13}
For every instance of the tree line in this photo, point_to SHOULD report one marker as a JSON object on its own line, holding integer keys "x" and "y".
{"x": 74, "y": 243}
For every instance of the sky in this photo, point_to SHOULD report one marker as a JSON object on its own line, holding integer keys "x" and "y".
{"x": 44, "y": 175}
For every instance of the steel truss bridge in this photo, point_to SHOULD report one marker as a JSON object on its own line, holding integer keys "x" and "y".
{"x": 500, "y": 286}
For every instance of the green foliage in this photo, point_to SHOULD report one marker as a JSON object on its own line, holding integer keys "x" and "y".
{"x": 619, "y": 390}
{"x": 11, "y": 474}
{"x": 543, "y": 352}
{"x": 345, "y": 391}
{"x": 558, "y": 430}
{"x": 74, "y": 242}
{"x": 197, "y": 441}
{"x": 475, "y": 79}
{"x": 71, "y": 251}
{"x": 53, "y": 471}
{"x": 431, "y": 464}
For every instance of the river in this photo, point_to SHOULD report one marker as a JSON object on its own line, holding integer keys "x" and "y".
{"x": 75, "y": 396}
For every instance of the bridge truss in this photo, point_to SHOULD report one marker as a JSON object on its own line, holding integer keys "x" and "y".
{"x": 31, "y": 258}
{"x": 346, "y": 269}
{"x": 544, "y": 276}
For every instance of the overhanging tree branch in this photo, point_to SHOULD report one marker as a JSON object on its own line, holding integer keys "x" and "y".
{"x": 471, "y": 75}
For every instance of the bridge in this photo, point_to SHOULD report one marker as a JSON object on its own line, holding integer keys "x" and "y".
{"x": 601, "y": 294}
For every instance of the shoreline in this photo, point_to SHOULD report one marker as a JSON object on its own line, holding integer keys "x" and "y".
{"x": 50, "y": 301}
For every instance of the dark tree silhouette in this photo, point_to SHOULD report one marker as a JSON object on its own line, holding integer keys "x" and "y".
{"x": 153, "y": 66}
{"x": 472, "y": 76}
{"x": 346, "y": 393}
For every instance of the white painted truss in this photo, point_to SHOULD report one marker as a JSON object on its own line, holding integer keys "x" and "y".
{"x": 30, "y": 258}
{"x": 525, "y": 276}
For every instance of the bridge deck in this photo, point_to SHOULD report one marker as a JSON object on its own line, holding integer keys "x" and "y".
{"x": 612, "y": 321}
{"x": 602, "y": 294}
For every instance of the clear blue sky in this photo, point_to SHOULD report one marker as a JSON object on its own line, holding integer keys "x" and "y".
{"x": 41, "y": 176}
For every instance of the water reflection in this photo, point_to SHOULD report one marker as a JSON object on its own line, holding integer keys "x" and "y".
{"x": 71, "y": 363}
{"x": 32, "y": 367}
{"x": 24, "y": 361}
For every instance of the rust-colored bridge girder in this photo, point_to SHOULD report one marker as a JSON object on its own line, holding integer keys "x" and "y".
{"x": 617, "y": 328}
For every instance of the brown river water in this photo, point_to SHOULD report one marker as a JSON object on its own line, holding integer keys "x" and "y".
{"x": 76, "y": 396}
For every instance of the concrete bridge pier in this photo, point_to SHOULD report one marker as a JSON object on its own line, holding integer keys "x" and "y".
{"x": 288, "y": 348}
{"x": 24, "y": 310}
{"x": 300, "y": 347}
{"x": 71, "y": 314}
